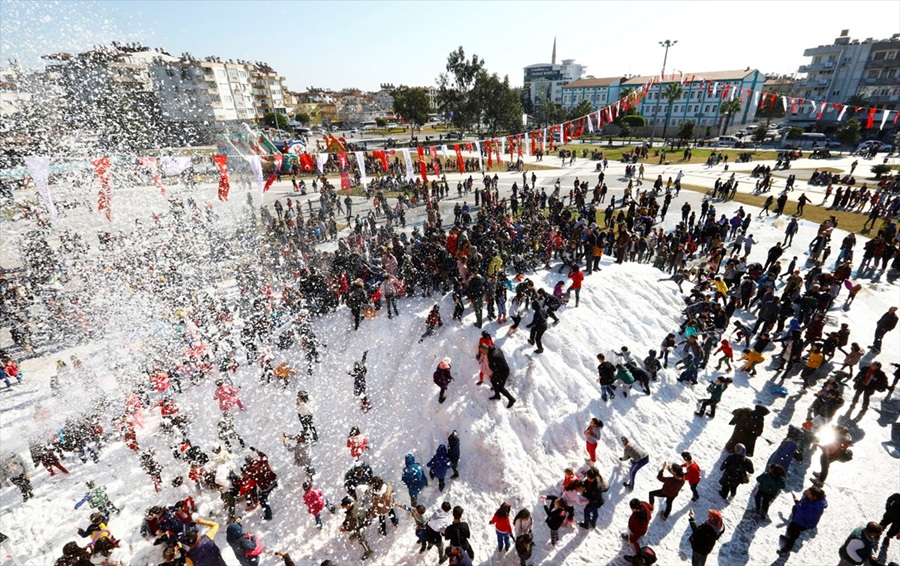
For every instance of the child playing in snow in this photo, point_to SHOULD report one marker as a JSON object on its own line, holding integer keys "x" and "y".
{"x": 482, "y": 359}
{"x": 433, "y": 321}
{"x": 96, "y": 497}
{"x": 359, "y": 382}
{"x": 752, "y": 357}
{"x": 727, "y": 355}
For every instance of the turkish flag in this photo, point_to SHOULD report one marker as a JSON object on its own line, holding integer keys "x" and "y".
{"x": 423, "y": 167}
{"x": 307, "y": 163}
{"x": 468, "y": 146}
{"x": 271, "y": 179}
{"x": 459, "y": 159}
{"x": 104, "y": 199}
{"x": 487, "y": 145}
{"x": 224, "y": 186}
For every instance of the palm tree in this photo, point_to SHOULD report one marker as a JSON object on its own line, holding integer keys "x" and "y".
{"x": 673, "y": 92}
{"x": 729, "y": 108}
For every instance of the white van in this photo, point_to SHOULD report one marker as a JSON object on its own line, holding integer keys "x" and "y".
{"x": 726, "y": 141}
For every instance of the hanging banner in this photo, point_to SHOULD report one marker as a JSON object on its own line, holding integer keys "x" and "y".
{"x": 870, "y": 121}
{"x": 269, "y": 181}
{"x": 487, "y": 146}
{"x": 543, "y": 140}
{"x": 172, "y": 166}
{"x": 277, "y": 160}
{"x": 224, "y": 186}
{"x": 498, "y": 149}
{"x": 435, "y": 161}
{"x": 256, "y": 168}
{"x": 361, "y": 163}
{"x": 480, "y": 158}
{"x": 520, "y": 141}
{"x": 444, "y": 152}
{"x": 821, "y": 111}
{"x": 104, "y": 199}
{"x": 39, "y": 169}
{"x": 321, "y": 160}
{"x": 423, "y": 165}
{"x": 409, "y": 164}
{"x": 152, "y": 166}
{"x": 590, "y": 124}
{"x": 884, "y": 118}
{"x": 344, "y": 168}
{"x": 459, "y": 159}
{"x": 841, "y": 115}
{"x": 307, "y": 163}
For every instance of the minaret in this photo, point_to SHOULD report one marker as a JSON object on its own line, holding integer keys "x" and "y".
{"x": 553, "y": 57}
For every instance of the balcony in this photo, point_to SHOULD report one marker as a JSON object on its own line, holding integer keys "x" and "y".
{"x": 876, "y": 100}
{"x": 823, "y": 50}
{"x": 883, "y": 81}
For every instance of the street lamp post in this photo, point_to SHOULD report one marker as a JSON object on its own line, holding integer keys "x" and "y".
{"x": 667, "y": 44}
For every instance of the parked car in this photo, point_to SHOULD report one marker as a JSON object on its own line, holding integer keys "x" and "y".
{"x": 454, "y": 135}
{"x": 726, "y": 141}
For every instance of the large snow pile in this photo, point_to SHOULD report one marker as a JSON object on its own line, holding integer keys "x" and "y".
{"x": 512, "y": 455}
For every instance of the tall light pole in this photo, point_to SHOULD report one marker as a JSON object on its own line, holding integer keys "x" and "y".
{"x": 667, "y": 44}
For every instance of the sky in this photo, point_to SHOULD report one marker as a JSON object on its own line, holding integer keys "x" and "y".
{"x": 363, "y": 44}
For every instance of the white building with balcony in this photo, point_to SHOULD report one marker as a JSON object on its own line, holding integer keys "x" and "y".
{"x": 192, "y": 90}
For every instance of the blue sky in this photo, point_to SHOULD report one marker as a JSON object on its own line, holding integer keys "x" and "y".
{"x": 341, "y": 44}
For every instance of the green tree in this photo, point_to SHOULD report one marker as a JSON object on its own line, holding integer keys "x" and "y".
{"x": 794, "y": 133}
{"x": 771, "y": 110}
{"x": 583, "y": 108}
{"x": 625, "y": 130}
{"x": 412, "y": 105}
{"x": 672, "y": 92}
{"x": 500, "y": 104}
{"x": 728, "y": 109}
{"x": 686, "y": 131}
{"x": 850, "y": 133}
{"x": 380, "y": 122}
{"x": 633, "y": 120}
{"x": 275, "y": 120}
{"x": 760, "y": 133}
{"x": 550, "y": 113}
{"x": 856, "y": 100}
{"x": 455, "y": 98}
{"x": 881, "y": 169}
{"x": 302, "y": 117}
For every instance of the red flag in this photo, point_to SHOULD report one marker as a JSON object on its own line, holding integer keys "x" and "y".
{"x": 344, "y": 168}
{"x": 222, "y": 162}
{"x": 793, "y": 105}
{"x": 565, "y": 133}
{"x": 772, "y": 102}
{"x": 487, "y": 145}
{"x": 708, "y": 88}
{"x": 381, "y": 156}
{"x": 307, "y": 163}
{"x": 151, "y": 165}
{"x": 104, "y": 198}
{"x": 519, "y": 144}
{"x": 821, "y": 111}
{"x": 277, "y": 159}
{"x": 533, "y": 144}
{"x": 871, "y": 119}
{"x": 271, "y": 179}
{"x": 459, "y": 159}
{"x": 435, "y": 162}
{"x": 423, "y": 167}
{"x": 468, "y": 146}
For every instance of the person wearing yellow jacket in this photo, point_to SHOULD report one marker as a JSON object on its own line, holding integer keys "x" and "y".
{"x": 752, "y": 357}
{"x": 201, "y": 550}
{"x": 721, "y": 286}
{"x": 813, "y": 360}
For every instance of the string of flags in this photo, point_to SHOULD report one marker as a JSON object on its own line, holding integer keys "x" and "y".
{"x": 492, "y": 148}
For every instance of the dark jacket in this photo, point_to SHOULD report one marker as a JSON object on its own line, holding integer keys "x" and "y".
{"x": 704, "y": 537}
{"x": 440, "y": 462}
{"x": 734, "y": 467}
{"x": 457, "y": 534}
{"x": 864, "y": 546}
{"x": 442, "y": 377}
{"x": 555, "y": 515}
{"x": 607, "y": 373}
{"x": 453, "y": 448}
{"x": 748, "y": 425}
{"x": 498, "y": 365}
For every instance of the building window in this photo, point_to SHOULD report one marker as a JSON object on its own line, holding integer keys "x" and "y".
{"x": 879, "y": 55}
{"x": 872, "y": 75}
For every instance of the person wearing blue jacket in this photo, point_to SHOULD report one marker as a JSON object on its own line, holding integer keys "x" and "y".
{"x": 806, "y": 514}
{"x": 414, "y": 479}
{"x": 242, "y": 543}
{"x": 453, "y": 453}
{"x": 438, "y": 465}
{"x": 784, "y": 454}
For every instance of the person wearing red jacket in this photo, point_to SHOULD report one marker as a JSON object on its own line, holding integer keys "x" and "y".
{"x": 502, "y": 524}
{"x": 638, "y": 523}
{"x": 727, "y": 355}
{"x": 577, "y": 277}
{"x": 226, "y": 395}
{"x": 315, "y": 502}
{"x": 691, "y": 474}
{"x": 356, "y": 442}
{"x": 266, "y": 480}
{"x": 481, "y": 358}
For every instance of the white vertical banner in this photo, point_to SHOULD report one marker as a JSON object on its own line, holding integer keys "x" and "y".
{"x": 784, "y": 103}
{"x": 812, "y": 106}
{"x": 361, "y": 161}
{"x": 480, "y": 158}
{"x": 590, "y": 124}
{"x": 256, "y": 168}
{"x": 544, "y": 141}
{"x": 321, "y": 160}
{"x": 755, "y": 98}
{"x": 527, "y": 147}
{"x": 39, "y": 168}
{"x": 884, "y": 118}
{"x": 409, "y": 165}
{"x": 840, "y": 116}
{"x": 444, "y": 152}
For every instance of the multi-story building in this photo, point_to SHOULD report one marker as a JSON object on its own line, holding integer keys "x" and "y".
{"x": 865, "y": 72}
{"x": 193, "y": 90}
{"x": 13, "y": 97}
{"x": 269, "y": 89}
{"x": 702, "y": 99}
{"x": 543, "y": 82}
{"x": 599, "y": 92}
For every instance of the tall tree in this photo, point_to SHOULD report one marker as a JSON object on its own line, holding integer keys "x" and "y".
{"x": 501, "y": 108}
{"x": 849, "y": 133}
{"x": 455, "y": 97}
{"x": 728, "y": 109}
{"x": 412, "y": 105}
{"x": 583, "y": 108}
{"x": 672, "y": 92}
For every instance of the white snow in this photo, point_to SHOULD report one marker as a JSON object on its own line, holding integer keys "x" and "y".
{"x": 507, "y": 455}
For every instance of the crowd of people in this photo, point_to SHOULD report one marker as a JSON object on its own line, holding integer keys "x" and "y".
{"x": 737, "y": 307}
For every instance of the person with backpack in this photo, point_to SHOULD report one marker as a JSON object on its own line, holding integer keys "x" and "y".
{"x": 771, "y": 483}
{"x": 382, "y": 504}
{"x": 703, "y": 538}
{"x": 671, "y": 486}
{"x": 652, "y": 365}
{"x": 692, "y": 474}
{"x": 438, "y": 466}
{"x": 414, "y": 479}
{"x": 859, "y": 548}
{"x": 736, "y": 469}
{"x": 523, "y": 526}
{"x": 246, "y": 547}
{"x": 442, "y": 378}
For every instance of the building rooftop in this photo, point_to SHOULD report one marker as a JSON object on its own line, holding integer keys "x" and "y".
{"x": 708, "y": 76}
{"x": 586, "y": 83}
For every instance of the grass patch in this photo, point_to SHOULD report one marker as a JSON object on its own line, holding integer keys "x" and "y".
{"x": 698, "y": 155}
{"x": 849, "y": 221}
